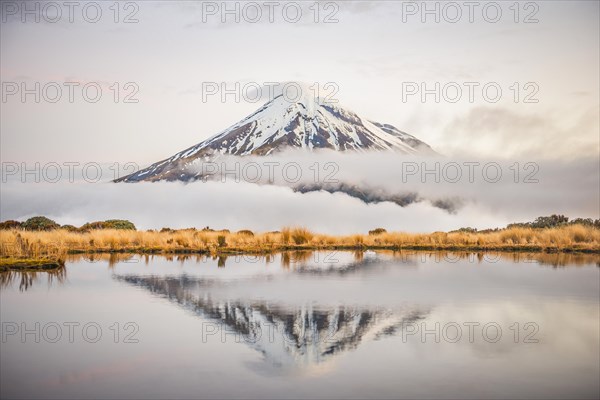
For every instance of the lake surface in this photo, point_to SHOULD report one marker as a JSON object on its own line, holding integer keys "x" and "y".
{"x": 305, "y": 325}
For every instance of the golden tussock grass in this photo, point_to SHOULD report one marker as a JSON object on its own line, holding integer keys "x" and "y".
{"x": 57, "y": 243}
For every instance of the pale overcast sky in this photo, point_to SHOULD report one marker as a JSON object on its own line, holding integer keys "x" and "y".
{"x": 369, "y": 53}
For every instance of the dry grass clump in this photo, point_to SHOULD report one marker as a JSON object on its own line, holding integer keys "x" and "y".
{"x": 17, "y": 244}
{"x": 57, "y": 243}
{"x": 285, "y": 235}
{"x": 301, "y": 235}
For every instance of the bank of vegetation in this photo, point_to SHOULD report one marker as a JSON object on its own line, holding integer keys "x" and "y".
{"x": 40, "y": 243}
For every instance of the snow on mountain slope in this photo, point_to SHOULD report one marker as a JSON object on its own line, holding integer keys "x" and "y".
{"x": 306, "y": 123}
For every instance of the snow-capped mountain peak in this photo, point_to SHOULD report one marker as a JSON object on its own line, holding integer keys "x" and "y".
{"x": 300, "y": 121}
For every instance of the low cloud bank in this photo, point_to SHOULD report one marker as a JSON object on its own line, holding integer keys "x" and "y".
{"x": 482, "y": 200}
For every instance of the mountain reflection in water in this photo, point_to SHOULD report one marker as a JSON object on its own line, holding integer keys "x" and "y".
{"x": 288, "y": 335}
{"x": 289, "y": 330}
{"x": 328, "y": 324}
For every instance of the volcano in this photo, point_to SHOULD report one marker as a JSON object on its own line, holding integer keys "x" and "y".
{"x": 308, "y": 123}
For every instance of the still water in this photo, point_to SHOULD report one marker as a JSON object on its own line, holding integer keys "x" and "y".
{"x": 305, "y": 325}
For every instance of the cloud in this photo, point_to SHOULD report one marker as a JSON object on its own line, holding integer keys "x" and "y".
{"x": 500, "y": 132}
{"x": 564, "y": 187}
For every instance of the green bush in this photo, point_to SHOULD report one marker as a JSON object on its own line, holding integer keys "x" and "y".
{"x": 519, "y": 225}
{"x": 10, "y": 224}
{"x": 377, "y": 231}
{"x": 221, "y": 241}
{"x": 39, "y": 224}
{"x": 586, "y": 222}
{"x": 119, "y": 224}
{"x": 245, "y": 232}
{"x": 88, "y": 226}
{"x": 549, "y": 222}
{"x": 465, "y": 230}
{"x": 109, "y": 224}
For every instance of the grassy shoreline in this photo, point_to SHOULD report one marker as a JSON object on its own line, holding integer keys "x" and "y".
{"x": 233, "y": 250}
{"x": 35, "y": 249}
{"x": 30, "y": 264}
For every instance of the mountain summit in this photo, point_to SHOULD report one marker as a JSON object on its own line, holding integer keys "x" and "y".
{"x": 281, "y": 124}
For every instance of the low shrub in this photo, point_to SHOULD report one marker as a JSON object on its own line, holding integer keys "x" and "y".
{"x": 467, "y": 229}
{"x": 109, "y": 224}
{"x": 10, "y": 224}
{"x": 40, "y": 224}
